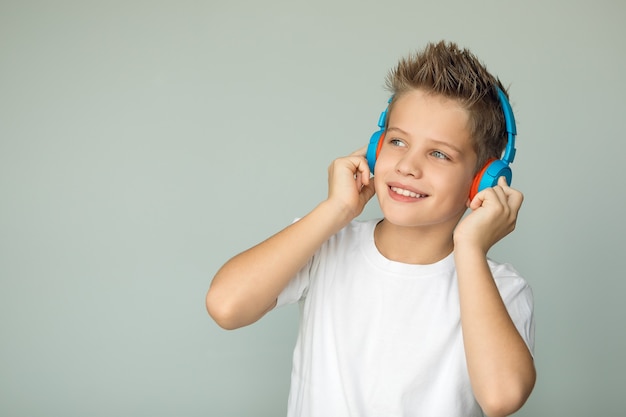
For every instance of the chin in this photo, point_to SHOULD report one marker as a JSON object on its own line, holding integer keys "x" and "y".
{"x": 411, "y": 221}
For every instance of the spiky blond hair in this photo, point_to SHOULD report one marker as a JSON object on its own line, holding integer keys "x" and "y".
{"x": 445, "y": 69}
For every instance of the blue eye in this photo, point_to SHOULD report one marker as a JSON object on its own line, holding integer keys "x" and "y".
{"x": 439, "y": 155}
{"x": 396, "y": 142}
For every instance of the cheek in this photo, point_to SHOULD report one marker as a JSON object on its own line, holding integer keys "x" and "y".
{"x": 384, "y": 163}
{"x": 459, "y": 186}
{"x": 379, "y": 183}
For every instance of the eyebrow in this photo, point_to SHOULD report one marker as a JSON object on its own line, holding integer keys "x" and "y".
{"x": 437, "y": 142}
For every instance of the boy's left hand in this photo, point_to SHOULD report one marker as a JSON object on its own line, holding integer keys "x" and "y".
{"x": 493, "y": 216}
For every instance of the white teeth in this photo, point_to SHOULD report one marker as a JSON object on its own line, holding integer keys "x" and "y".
{"x": 405, "y": 193}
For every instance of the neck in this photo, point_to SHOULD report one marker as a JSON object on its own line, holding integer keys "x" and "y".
{"x": 419, "y": 245}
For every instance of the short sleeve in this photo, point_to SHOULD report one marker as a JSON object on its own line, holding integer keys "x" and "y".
{"x": 517, "y": 296}
{"x": 296, "y": 288}
{"x": 298, "y": 285}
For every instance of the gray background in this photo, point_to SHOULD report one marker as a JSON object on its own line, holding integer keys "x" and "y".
{"x": 143, "y": 143}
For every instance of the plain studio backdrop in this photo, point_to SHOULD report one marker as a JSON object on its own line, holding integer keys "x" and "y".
{"x": 144, "y": 143}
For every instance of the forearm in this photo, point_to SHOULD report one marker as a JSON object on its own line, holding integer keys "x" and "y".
{"x": 247, "y": 286}
{"x": 499, "y": 363}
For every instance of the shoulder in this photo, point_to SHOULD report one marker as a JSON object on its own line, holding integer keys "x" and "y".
{"x": 356, "y": 227}
{"x": 510, "y": 282}
{"x": 347, "y": 246}
{"x": 357, "y": 231}
{"x": 502, "y": 270}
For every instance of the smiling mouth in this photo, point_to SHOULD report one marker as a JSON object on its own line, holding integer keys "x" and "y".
{"x": 407, "y": 193}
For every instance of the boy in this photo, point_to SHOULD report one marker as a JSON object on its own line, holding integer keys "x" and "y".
{"x": 403, "y": 316}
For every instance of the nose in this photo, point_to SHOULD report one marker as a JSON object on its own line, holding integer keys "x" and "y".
{"x": 410, "y": 164}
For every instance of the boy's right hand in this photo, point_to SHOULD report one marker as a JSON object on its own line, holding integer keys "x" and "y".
{"x": 249, "y": 284}
{"x": 349, "y": 184}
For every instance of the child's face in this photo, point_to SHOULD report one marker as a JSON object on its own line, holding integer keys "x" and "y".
{"x": 426, "y": 164}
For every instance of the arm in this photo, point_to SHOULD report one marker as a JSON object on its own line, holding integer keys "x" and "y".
{"x": 248, "y": 285}
{"x": 499, "y": 363}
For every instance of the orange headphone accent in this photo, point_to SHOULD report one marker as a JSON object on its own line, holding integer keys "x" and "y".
{"x": 477, "y": 178}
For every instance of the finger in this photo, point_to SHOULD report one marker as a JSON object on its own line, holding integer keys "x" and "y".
{"x": 359, "y": 182}
{"x": 477, "y": 201}
{"x": 362, "y": 169}
{"x": 491, "y": 195}
{"x": 368, "y": 191}
{"x": 514, "y": 197}
{"x": 500, "y": 192}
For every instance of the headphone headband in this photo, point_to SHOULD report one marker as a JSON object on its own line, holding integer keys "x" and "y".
{"x": 511, "y": 129}
{"x": 375, "y": 141}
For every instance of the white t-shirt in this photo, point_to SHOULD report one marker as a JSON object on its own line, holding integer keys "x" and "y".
{"x": 380, "y": 338}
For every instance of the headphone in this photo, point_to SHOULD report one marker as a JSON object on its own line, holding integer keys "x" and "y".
{"x": 489, "y": 174}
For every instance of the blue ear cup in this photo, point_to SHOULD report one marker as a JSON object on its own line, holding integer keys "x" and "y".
{"x": 376, "y": 140}
{"x": 373, "y": 148}
{"x": 494, "y": 169}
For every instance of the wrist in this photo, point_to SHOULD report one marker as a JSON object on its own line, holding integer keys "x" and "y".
{"x": 336, "y": 214}
{"x": 469, "y": 249}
